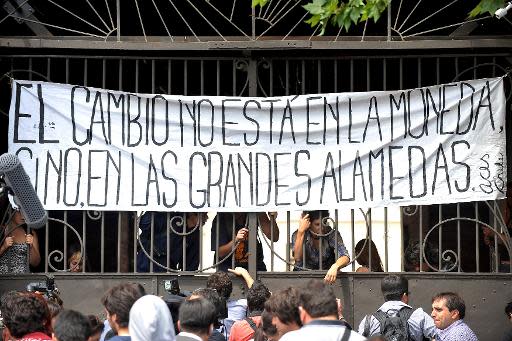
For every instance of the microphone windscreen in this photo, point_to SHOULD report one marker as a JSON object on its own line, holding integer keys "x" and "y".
{"x": 25, "y": 196}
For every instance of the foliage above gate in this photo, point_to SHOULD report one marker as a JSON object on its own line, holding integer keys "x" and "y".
{"x": 344, "y": 14}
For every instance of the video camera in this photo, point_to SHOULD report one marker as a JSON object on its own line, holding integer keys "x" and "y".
{"x": 46, "y": 288}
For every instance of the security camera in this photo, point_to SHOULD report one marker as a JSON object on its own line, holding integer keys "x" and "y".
{"x": 500, "y": 13}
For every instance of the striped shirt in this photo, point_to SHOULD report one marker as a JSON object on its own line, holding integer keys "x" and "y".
{"x": 457, "y": 331}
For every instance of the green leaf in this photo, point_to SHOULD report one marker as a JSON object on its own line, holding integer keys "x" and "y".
{"x": 486, "y": 6}
{"x": 260, "y": 3}
{"x": 315, "y": 7}
{"x": 314, "y": 20}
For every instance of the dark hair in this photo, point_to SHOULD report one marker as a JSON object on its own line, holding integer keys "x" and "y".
{"x": 314, "y": 215}
{"x": 284, "y": 304}
{"x": 393, "y": 287}
{"x": 96, "y": 324}
{"x": 218, "y": 302}
{"x": 119, "y": 300}
{"x": 257, "y": 294}
{"x": 318, "y": 299}
{"x": 413, "y": 253}
{"x": 221, "y": 282}
{"x": 24, "y": 313}
{"x": 453, "y": 301}
{"x": 363, "y": 255}
{"x": 72, "y": 326}
{"x": 266, "y": 323}
{"x": 197, "y": 315}
{"x": 54, "y": 308}
{"x": 266, "y": 328}
{"x": 508, "y": 309}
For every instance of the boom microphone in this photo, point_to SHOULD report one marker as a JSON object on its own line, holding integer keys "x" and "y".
{"x": 15, "y": 177}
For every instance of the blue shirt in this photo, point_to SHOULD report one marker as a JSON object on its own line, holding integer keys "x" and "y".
{"x": 457, "y": 331}
{"x": 121, "y": 338}
{"x": 160, "y": 243}
{"x": 331, "y": 250}
{"x": 420, "y": 323}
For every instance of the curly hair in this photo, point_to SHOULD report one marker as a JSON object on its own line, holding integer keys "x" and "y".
{"x": 24, "y": 313}
{"x": 257, "y": 295}
{"x": 221, "y": 282}
{"x": 214, "y": 298}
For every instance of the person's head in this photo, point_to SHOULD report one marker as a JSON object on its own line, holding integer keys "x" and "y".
{"x": 362, "y": 250}
{"x": 213, "y": 297}
{"x": 257, "y": 294}
{"x": 194, "y": 219}
{"x": 508, "y": 311}
{"x": 17, "y": 219}
{"x": 75, "y": 260}
{"x": 197, "y": 316}
{"x": 395, "y": 288}
{"x": 414, "y": 252}
{"x": 71, "y": 325}
{"x": 317, "y": 300}
{"x": 118, "y": 301}
{"x": 54, "y": 307}
{"x": 221, "y": 282}
{"x": 269, "y": 328}
{"x": 150, "y": 320}
{"x": 283, "y": 307}
{"x": 96, "y": 327}
{"x": 447, "y": 307}
{"x": 24, "y": 313}
{"x": 316, "y": 219}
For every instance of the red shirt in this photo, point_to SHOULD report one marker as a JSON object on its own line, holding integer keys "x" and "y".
{"x": 36, "y": 336}
{"x": 242, "y": 330}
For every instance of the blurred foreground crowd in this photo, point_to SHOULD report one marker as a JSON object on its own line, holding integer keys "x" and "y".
{"x": 311, "y": 312}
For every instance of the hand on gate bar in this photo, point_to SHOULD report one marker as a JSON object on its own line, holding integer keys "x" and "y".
{"x": 242, "y": 234}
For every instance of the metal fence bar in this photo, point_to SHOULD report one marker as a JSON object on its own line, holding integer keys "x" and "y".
{"x": 458, "y": 239}
{"x": 288, "y": 217}
{"x": 477, "y": 238}
{"x": 84, "y": 238}
{"x": 119, "y": 242}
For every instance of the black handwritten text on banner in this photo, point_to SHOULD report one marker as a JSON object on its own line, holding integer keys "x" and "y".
{"x": 88, "y": 148}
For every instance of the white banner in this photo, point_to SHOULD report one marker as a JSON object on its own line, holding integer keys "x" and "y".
{"x": 87, "y": 148}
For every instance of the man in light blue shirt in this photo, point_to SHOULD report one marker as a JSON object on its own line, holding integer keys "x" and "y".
{"x": 395, "y": 289}
{"x": 448, "y": 310}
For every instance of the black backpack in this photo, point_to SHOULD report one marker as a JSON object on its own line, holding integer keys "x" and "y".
{"x": 392, "y": 328}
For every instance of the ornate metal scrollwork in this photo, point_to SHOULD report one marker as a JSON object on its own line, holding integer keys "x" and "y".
{"x": 451, "y": 256}
{"x": 94, "y": 215}
{"x": 410, "y": 210}
{"x": 58, "y": 255}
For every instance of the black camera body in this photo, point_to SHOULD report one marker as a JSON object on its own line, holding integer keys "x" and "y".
{"x": 46, "y": 288}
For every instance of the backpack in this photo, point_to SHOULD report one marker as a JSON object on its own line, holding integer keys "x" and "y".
{"x": 392, "y": 328}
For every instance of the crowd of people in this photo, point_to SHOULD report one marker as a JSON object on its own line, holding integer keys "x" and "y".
{"x": 311, "y": 312}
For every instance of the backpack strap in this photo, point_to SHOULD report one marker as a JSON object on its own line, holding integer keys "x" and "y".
{"x": 381, "y": 317}
{"x": 251, "y": 323}
{"x": 405, "y": 314}
{"x": 346, "y": 335}
{"x": 367, "y": 325}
